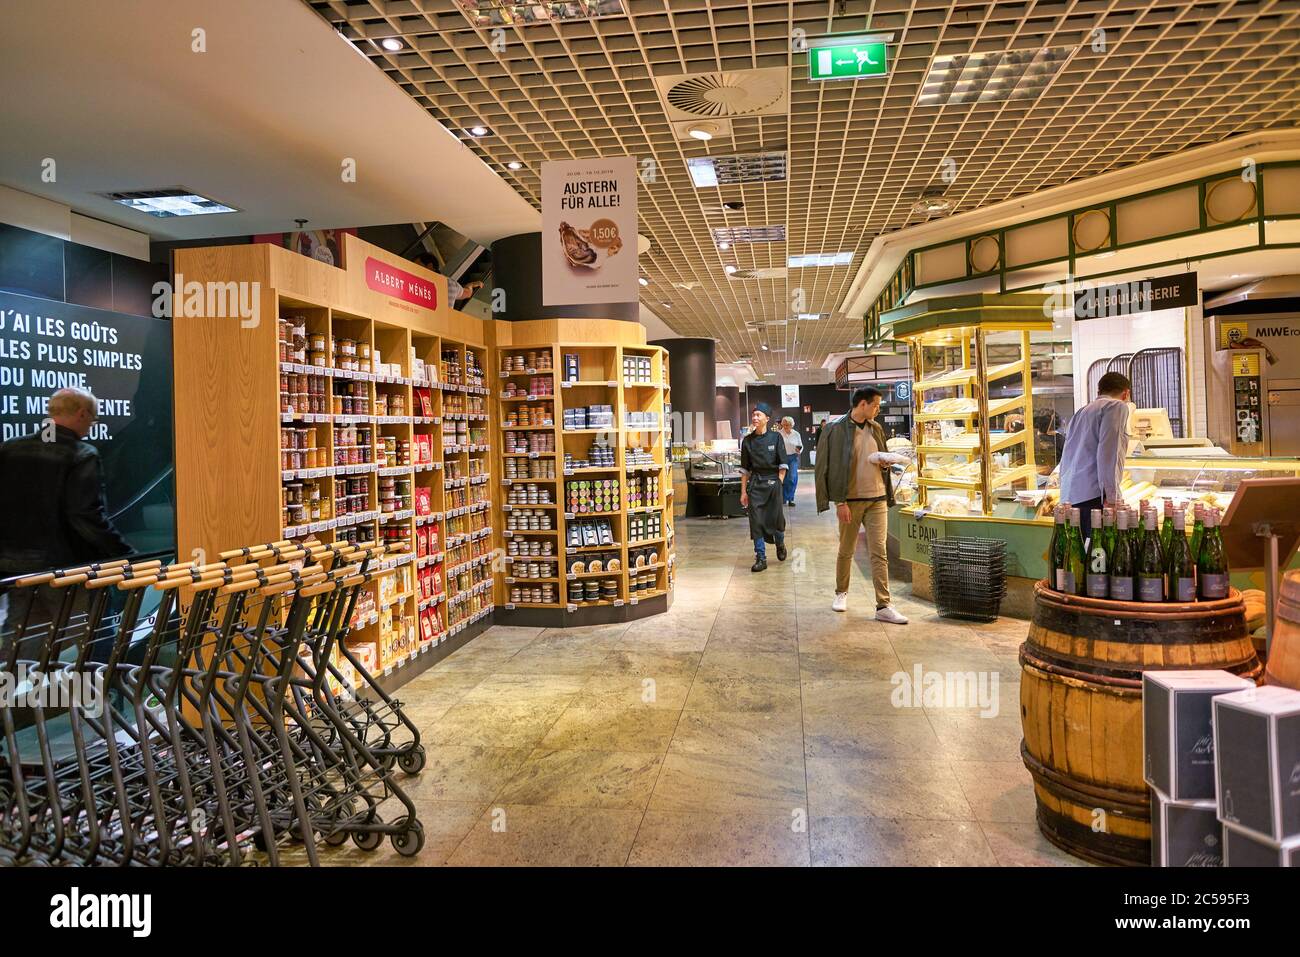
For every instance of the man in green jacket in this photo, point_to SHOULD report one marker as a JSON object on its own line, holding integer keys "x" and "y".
{"x": 852, "y": 473}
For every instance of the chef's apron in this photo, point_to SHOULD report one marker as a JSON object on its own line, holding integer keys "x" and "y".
{"x": 766, "y": 507}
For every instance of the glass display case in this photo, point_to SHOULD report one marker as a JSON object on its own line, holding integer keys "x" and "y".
{"x": 713, "y": 484}
{"x": 972, "y": 399}
{"x": 713, "y": 466}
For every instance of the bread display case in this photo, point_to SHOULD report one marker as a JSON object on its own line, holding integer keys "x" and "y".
{"x": 972, "y": 397}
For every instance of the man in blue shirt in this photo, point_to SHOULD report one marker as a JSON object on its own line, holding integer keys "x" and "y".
{"x": 1092, "y": 463}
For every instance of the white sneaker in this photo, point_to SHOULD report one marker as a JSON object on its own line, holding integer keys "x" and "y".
{"x": 891, "y": 615}
{"x": 841, "y": 602}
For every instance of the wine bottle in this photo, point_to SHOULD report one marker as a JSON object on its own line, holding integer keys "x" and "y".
{"x": 1108, "y": 531}
{"x": 1076, "y": 577}
{"x": 1167, "y": 529}
{"x": 1198, "y": 529}
{"x": 1151, "y": 566}
{"x": 1097, "y": 565}
{"x": 1056, "y": 550}
{"x": 1121, "y": 560}
{"x": 1181, "y": 567}
{"x": 1212, "y": 563}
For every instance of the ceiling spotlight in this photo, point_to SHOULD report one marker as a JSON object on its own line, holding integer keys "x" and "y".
{"x": 666, "y": 304}
{"x": 391, "y": 44}
{"x": 734, "y": 205}
{"x": 643, "y": 280}
{"x": 724, "y": 245}
{"x": 702, "y": 131}
{"x": 479, "y": 131}
{"x": 765, "y": 347}
{"x": 728, "y": 269}
{"x": 514, "y": 164}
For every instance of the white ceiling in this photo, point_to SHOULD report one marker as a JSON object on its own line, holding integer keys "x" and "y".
{"x": 114, "y": 94}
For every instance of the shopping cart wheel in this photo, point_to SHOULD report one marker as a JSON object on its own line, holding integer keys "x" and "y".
{"x": 411, "y": 760}
{"x": 367, "y": 840}
{"x": 335, "y": 838}
{"x": 409, "y": 842}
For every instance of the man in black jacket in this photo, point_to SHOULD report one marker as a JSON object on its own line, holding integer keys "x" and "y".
{"x": 53, "y": 513}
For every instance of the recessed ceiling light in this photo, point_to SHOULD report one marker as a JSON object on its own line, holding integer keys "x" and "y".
{"x": 748, "y": 234}
{"x": 391, "y": 44}
{"x": 728, "y": 269}
{"x": 643, "y": 281}
{"x": 733, "y": 205}
{"x": 809, "y": 316}
{"x": 514, "y": 164}
{"x": 820, "y": 259}
{"x": 666, "y": 304}
{"x": 478, "y": 131}
{"x": 710, "y": 171}
{"x": 765, "y": 347}
{"x": 172, "y": 201}
{"x": 724, "y": 245}
{"x": 701, "y": 131}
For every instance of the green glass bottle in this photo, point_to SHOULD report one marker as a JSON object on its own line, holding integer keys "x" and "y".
{"x": 1098, "y": 567}
{"x": 1076, "y": 578}
{"x": 1120, "y": 559}
{"x": 1056, "y": 550}
{"x": 1180, "y": 565}
{"x": 1198, "y": 529}
{"x": 1151, "y": 565}
{"x": 1212, "y": 564}
{"x": 1167, "y": 529}
{"x": 1108, "y": 530}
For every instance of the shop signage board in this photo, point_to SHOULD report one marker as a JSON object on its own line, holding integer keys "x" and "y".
{"x": 126, "y": 362}
{"x": 1144, "y": 295}
{"x": 400, "y": 284}
{"x": 589, "y": 240}
{"x": 789, "y": 397}
{"x": 848, "y": 57}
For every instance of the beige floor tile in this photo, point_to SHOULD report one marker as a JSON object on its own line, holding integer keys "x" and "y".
{"x": 857, "y": 663}
{"x": 899, "y": 788}
{"x": 664, "y": 690}
{"x": 604, "y": 728}
{"x": 445, "y": 825}
{"x": 971, "y": 738}
{"x": 776, "y": 736}
{"x": 497, "y": 724}
{"x": 607, "y": 779}
{"x": 756, "y": 639}
{"x": 552, "y": 661}
{"x": 881, "y": 842}
{"x": 998, "y": 791}
{"x": 522, "y": 835}
{"x": 464, "y": 774}
{"x": 636, "y": 662}
{"x": 743, "y": 694}
{"x": 848, "y": 698}
{"x": 722, "y": 783}
{"x": 1023, "y": 845}
{"x": 510, "y": 688}
{"x": 903, "y": 734}
{"x": 722, "y": 662}
{"x": 698, "y": 839}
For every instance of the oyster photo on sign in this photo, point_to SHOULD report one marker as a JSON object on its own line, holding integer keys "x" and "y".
{"x": 576, "y": 249}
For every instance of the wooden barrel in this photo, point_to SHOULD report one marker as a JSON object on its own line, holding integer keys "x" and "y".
{"x": 1081, "y": 708}
{"x": 1284, "y": 650}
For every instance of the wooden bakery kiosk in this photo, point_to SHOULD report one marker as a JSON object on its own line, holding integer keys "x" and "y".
{"x": 515, "y": 471}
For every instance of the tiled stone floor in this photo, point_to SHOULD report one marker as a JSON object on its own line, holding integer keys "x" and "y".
{"x": 749, "y": 725}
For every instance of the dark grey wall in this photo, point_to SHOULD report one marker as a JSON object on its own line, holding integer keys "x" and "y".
{"x": 726, "y": 408}
{"x": 692, "y": 374}
{"x": 517, "y": 270}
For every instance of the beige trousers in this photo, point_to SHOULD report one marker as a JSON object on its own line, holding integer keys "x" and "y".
{"x": 874, "y": 517}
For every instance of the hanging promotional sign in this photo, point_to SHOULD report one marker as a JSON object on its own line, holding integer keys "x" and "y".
{"x": 789, "y": 397}
{"x": 589, "y": 231}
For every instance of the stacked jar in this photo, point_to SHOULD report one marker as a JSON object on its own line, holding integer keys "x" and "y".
{"x": 537, "y": 595}
{"x": 530, "y": 547}
{"x": 352, "y": 445}
{"x": 529, "y": 494}
{"x": 529, "y": 520}
{"x": 351, "y": 397}
{"x": 600, "y": 495}
{"x": 532, "y": 569}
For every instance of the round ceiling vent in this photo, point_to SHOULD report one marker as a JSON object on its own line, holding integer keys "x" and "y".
{"x": 739, "y": 93}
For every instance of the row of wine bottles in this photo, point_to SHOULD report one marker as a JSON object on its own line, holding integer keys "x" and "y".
{"x": 1129, "y": 558}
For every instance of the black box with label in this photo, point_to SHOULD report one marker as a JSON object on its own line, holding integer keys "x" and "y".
{"x": 1257, "y": 743}
{"x": 1177, "y": 737}
{"x": 1184, "y": 833}
{"x": 1243, "y": 849}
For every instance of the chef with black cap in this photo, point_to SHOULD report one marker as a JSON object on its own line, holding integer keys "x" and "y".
{"x": 763, "y": 464}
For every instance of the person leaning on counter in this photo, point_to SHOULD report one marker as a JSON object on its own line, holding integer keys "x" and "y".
{"x": 1092, "y": 462}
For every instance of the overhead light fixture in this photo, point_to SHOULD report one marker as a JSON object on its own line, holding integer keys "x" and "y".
{"x": 748, "y": 234}
{"x": 985, "y": 77}
{"x": 514, "y": 164}
{"x": 702, "y": 131}
{"x": 728, "y": 269}
{"x": 820, "y": 259}
{"x": 391, "y": 44}
{"x": 810, "y": 316}
{"x": 765, "y": 347}
{"x": 724, "y": 246}
{"x": 643, "y": 280}
{"x": 168, "y": 202}
{"x": 666, "y": 304}
{"x": 734, "y": 205}
{"x": 931, "y": 202}
{"x": 478, "y": 131}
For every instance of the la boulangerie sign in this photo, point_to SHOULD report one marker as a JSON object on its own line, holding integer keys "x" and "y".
{"x": 589, "y": 231}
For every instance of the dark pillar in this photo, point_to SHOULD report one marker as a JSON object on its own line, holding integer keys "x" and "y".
{"x": 726, "y": 408}
{"x": 692, "y": 375}
{"x": 517, "y": 271}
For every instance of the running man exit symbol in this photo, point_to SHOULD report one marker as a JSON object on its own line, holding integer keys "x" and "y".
{"x": 847, "y": 58}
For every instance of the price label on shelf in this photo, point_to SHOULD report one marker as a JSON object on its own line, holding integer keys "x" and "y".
{"x": 618, "y": 603}
{"x": 533, "y": 455}
{"x": 569, "y": 516}
{"x": 570, "y": 607}
{"x": 633, "y": 601}
{"x": 612, "y": 384}
{"x": 510, "y": 606}
{"x": 571, "y": 577}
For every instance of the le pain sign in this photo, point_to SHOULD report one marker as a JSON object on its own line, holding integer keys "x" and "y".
{"x": 400, "y": 284}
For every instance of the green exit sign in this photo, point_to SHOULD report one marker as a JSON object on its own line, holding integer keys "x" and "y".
{"x": 847, "y": 58}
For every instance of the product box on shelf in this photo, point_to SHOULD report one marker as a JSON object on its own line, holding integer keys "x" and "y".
{"x": 1241, "y": 848}
{"x": 1184, "y": 833}
{"x": 1177, "y": 736}
{"x": 1257, "y": 741}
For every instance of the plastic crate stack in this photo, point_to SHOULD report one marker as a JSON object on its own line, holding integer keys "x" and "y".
{"x": 968, "y": 577}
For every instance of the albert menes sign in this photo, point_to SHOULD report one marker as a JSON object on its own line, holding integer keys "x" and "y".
{"x": 1128, "y": 298}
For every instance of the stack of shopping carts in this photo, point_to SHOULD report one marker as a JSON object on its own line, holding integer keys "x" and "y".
{"x": 192, "y": 714}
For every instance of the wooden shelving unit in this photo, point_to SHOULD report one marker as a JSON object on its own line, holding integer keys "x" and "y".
{"x": 631, "y": 446}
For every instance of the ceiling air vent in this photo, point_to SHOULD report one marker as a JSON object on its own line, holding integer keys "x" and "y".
{"x": 779, "y": 272}
{"x": 749, "y": 234}
{"x": 721, "y": 96}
